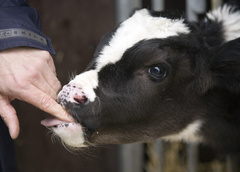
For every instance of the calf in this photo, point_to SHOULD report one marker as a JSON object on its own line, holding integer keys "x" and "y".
{"x": 159, "y": 76}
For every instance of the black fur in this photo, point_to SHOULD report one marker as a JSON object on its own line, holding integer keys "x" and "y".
{"x": 200, "y": 80}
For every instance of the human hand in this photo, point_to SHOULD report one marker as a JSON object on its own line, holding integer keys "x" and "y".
{"x": 29, "y": 75}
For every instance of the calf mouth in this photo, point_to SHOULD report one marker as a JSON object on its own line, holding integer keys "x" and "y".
{"x": 53, "y": 122}
{"x": 72, "y": 134}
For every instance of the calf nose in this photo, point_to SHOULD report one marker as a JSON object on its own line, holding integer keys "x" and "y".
{"x": 81, "y": 99}
{"x": 72, "y": 93}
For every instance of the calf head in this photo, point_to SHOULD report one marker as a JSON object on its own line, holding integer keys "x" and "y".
{"x": 152, "y": 77}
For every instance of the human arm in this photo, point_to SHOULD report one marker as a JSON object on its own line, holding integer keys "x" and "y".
{"x": 27, "y": 74}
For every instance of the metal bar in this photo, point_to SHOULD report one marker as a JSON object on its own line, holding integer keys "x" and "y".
{"x": 131, "y": 155}
{"x": 124, "y": 8}
{"x": 192, "y": 157}
{"x": 131, "y": 158}
{"x": 195, "y": 7}
{"x": 216, "y": 3}
{"x": 158, "y": 5}
{"x": 159, "y": 147}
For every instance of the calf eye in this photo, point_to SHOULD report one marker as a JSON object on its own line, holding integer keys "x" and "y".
{"x": 158, "y": 73}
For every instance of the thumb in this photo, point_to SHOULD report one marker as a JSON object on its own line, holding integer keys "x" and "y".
{"x": 8, "y": 114}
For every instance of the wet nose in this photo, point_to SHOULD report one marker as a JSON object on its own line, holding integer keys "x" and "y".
{"x": 83, "y": 100}
{"x": 73, "y": 93}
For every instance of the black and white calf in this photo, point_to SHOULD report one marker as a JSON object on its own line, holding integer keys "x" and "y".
{"x": 159, "y": 76}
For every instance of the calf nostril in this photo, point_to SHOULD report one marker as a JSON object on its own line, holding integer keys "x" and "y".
{"x": 83, "y": 100}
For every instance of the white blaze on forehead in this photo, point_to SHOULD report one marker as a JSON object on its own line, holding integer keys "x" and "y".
{"x": 141, "y": 26}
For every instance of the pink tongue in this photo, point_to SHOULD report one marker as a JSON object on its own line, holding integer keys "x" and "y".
{"x": 50, "y": 122}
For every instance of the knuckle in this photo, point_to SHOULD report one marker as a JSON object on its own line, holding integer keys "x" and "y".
{"x": 45, "y": 55}
{"x": 35, "y": 69}
{"x": 34, "y": 75}
{"x": 39, "y": 63}
{"x": 47, "y": 103}
{"x": 29, "y": 78}
{"x": 58, "y": 85}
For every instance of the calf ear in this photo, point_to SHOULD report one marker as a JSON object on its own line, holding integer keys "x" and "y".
{"x": 225, "y": 65}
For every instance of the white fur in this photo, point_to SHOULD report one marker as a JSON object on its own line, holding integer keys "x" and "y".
{"x": 188, "y": 134}
{"x": 72, "y": 135}
{"x": 229, "y": 19}
{"x": 88, "y": 81}
{"x": 141, "y": 26}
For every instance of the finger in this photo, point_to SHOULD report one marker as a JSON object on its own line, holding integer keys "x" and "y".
{"x": 44, "y": 102}
{"x": 50, "y": 62}
{"x": 41, "y": 83}
{"x": 51, "y": 79}
{"x": 46, "y": 78}
{"x": 8, "y": 114}
{"x": 52, "y": 66}
{"x": 44, "y": 55}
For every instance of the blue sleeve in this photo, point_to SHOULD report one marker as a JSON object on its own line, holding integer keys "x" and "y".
{"x": 20, "y": 26}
